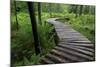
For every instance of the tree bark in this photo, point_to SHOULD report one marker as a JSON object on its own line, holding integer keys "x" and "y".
{"x": 39, "y": 12}
{"x": 50, "y": 9}
{"x": 16, "y": 15}
{"x": 81, "y": 9}
{"x": 34, "y": 27}
{"x": 76, "y": 10}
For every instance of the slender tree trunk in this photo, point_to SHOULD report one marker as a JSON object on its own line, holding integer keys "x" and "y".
{"x": 90, "y": 10}
{"x": 81, "y": 9}
{"x": 86, "y": 9}
{"x": 39, "y": 12}
{"x": 34, "y": 27}
{"x": 71, "y": 9}
{"x": 49, "y": 9}
{"x": 58, "y": 8}
{"x": 76, "y": 10}
{"x": 16, "y": 15}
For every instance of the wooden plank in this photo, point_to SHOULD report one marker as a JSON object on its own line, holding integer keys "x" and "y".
{"x": 79, "y": 47}
{"x": 46, "y": 61}
{"x": 74, "y": 53}
{"x": 56, "y": 58}
{"x": 76, "y": 49}
{"x": 65, "y": 30}
{"x": 78, "y": 44}
{"x": 72, "y": 46}
{"x": 67, "y": 56}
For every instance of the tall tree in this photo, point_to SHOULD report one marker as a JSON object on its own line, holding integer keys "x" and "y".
{"x": 92, "y": 10}
{"x": 50, "y": 9}
{"x": 86, "y": 9}
{"x": 39, "y": 12}
{"x": 58, "y": 10}
{"x": 71, "y": 8}
{"x": 76, "y": 10}
{"x": 17, "y": 24}
{"x": 81, "y": 9}
{"x": 34, "y": 27}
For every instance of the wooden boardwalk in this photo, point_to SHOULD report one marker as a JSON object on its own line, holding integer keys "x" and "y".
{"x": 72, "y": 46}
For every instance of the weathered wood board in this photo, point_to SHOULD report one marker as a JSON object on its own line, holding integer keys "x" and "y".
{"x": 72, "y": 46}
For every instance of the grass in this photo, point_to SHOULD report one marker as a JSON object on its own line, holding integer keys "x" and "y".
{"x": 46, "y": 36}
{"x": 22, "y": 42}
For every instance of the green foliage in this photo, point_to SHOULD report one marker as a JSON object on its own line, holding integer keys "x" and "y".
{"x": 22, "y": 42}
{"x": 46, "y": 35}
{"x": 34, "y": 59}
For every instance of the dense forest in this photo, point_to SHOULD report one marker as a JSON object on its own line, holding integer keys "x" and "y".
{"x": 23, "y": 50}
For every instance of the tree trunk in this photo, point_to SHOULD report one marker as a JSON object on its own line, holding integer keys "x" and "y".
{"x": 34, "y": 27}
{"x": 76, "y": 10}
{"x": 39, "y": 12}
{"x": 81, "y": 9}
{"x": 17, "y": 24}
{"x": 49, "y": 9}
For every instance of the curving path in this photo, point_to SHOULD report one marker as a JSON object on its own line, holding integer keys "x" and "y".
{"x": 72, "y": 46}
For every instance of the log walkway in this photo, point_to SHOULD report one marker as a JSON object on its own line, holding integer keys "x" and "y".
{"x": 72, "y": 46}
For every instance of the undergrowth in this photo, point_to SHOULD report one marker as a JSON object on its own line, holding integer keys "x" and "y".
{"x": 22, "y": 41}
